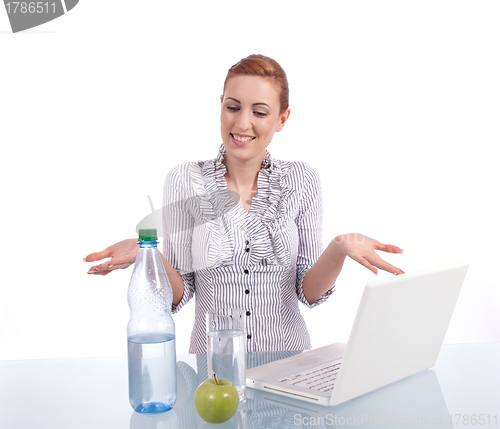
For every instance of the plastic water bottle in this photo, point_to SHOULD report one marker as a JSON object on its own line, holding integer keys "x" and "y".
{"x": 152, "y": 373}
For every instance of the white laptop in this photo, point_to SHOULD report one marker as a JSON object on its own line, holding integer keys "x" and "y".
{"x": 416, "y": 400}
{"x": 398, "y": 331}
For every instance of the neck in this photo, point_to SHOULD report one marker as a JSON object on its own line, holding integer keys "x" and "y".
{"x": 242, "y": 174}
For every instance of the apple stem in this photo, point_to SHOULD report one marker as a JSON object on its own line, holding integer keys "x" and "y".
{"x": 215, "y": 378}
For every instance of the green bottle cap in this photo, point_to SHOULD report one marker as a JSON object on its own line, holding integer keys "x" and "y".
{"x": 148, "y": 235}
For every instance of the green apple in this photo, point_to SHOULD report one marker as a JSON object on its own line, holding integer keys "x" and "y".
{"x": 216, "y": 400}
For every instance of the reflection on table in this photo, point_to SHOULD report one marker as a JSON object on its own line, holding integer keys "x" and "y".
{"x": 93, "y": 393}
{"x": 416, "y": 401}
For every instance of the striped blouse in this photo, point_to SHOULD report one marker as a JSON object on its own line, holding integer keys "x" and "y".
{"x": 255, "y": 260}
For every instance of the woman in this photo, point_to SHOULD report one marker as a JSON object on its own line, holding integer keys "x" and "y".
{"x": 264, "y": 254}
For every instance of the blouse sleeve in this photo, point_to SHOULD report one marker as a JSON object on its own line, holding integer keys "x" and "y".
{"x": 309, "y": 221}
{"x": 178, "y": 226}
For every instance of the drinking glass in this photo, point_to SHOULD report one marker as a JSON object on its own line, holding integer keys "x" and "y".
{"x": 226, "y": 347}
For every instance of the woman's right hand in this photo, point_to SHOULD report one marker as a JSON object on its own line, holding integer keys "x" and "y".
{"x": 122, "y": 255}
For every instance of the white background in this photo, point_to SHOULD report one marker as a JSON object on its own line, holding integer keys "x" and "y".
{"x": 395, "y": 103}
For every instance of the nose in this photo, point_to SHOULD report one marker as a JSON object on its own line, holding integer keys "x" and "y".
{"x": 244, "y": 121}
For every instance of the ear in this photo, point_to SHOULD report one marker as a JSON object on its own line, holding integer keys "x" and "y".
{"x": 221, "y": 97}
{"x": 282, "y": 120}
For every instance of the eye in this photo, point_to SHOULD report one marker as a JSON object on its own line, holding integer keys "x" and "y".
{"x": 232, "y": 108}
{"x": 260, "y": 114}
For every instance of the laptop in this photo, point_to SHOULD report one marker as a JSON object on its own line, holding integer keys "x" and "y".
{"x": 398, "y": 331}
{"x": 416, "y": 400}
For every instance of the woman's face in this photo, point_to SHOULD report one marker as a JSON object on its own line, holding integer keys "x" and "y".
{"x": 250, "y": 116}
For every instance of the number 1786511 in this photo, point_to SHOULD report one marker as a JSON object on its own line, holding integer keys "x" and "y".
{"x": 30, "y": 7}
{"x": 474, "y": 419}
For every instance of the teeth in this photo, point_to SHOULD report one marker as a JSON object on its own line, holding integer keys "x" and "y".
{"x": 242, "y": 139}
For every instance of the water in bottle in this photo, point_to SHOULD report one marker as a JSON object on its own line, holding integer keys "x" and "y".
{"x": 151, "y": 332}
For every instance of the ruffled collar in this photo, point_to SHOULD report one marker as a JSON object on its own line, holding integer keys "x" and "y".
{"x": 272, "y": 192}
{"x": 268, "y": 207}
{"x": 267, "y": 163}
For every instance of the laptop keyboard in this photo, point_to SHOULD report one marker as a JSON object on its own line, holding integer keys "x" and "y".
{"x": 321, "y": 377}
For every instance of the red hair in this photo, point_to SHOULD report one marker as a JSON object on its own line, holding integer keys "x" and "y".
{"x": 260, "y": 65}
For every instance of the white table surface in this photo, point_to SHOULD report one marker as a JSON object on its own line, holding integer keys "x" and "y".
{"x": 92, "y": 393}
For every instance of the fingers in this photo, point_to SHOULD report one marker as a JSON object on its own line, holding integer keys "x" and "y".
{"x": 390, "y": 268}
{"x": 104, "y": 269}
{"x": 378, "y": 262}
{"x": 121, "y": 261}
{"x": 96, "y": 269}
{"x": 383, "y": 265}
{"x": 390, "y": 248}
{"x": 113, "y": 264}
{"x": 100, "y": 273}
{"x": 362, "y": 250}
{"x": 97, "y": 256}
{"x": 100, "y": 269}
{"x": 366, "y": 264}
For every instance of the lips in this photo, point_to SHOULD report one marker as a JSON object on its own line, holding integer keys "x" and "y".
{"x": 241, "y": 139}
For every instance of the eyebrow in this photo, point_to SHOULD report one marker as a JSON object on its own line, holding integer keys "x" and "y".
{"x": 254, "y": 104}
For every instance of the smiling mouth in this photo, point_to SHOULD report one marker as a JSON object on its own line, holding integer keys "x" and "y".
{"x": 242, "y": 139}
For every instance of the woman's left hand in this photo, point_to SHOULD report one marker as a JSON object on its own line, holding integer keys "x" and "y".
{"x": 362, "y": 249}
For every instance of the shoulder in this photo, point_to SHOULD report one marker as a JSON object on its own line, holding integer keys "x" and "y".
{"x": 186, "y": 172}
{"x": 298, "y": 173}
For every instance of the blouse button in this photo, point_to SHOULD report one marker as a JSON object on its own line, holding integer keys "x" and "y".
{"x": 247, "y": 291}
{"x": 248, "y": 313}
{"x": 246, "y": 271}
{"x": 249, "y": 336}
{"x": 247, "y": 250}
